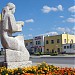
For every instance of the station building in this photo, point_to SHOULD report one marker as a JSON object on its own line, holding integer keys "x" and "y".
{"x": 50, "y": 44}
{"x": 54, "y": 43}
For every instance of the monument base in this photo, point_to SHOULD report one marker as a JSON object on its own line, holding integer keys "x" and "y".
{"x": 16, "y": 56}
{"x": 12, "y": 65}
{"x": 15, "y": 59}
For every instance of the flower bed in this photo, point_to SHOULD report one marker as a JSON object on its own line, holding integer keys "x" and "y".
{"x": 39, "y": 69}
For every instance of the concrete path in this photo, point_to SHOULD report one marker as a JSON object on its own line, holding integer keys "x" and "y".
{"x": 61, "y": 61}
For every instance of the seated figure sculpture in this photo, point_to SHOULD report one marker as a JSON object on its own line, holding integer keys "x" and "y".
{"x": 9, "y": 26}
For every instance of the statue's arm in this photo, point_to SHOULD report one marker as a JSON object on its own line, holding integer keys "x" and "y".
{"x": 20, "y": 23}
{"x": 16, "y": 26}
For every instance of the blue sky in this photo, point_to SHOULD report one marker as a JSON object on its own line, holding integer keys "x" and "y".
{"x": 44, "y": 17}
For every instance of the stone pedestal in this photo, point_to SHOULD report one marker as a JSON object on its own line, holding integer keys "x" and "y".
{"x": 12, "y": 65}
{"x": 13, "y": 59}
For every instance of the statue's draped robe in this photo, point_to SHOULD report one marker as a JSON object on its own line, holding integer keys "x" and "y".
{"x": 9, "y": 26}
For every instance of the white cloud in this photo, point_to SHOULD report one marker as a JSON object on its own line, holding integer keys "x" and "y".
{"x": 61, "y": 29}
{"x": 30, "y": 29}
{"x": 47, "y": 9}
{"x": 50, "y": 33}
{"x": 60, "y": 7}
{"x": 73, "y": 28}
{"x": 66, "y": 30}
{"x": 54, "y": 9}
{"x": 53, "y": 33}
{"x": 61, "y": 16}
{"x": 73, "y": 15}
{"x": 30, "y": 35}
{"x": 71, "y": 20}
{"x": 63, "y": 21}
{"x": 72, "y": 9}
{"x": 29, "y": 20}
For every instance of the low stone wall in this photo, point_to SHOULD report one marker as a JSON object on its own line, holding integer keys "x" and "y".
{"x": 1, "y": 58}
{"x": 2, "y": 64}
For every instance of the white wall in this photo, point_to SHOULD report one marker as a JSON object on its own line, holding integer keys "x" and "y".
{"x": 41, "y": 39}
{"x": 38, "y": 38}
{"x": 68, "y": 50}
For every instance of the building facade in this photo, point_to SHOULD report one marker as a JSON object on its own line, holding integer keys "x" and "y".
{"x": 54, "y": 43}
{"x": 69, "y": 48}
{"x": 68, "y": 38}
{"x": 38, "y": 44}
{"x": 50, "y": 44}
{"x": 29, "y": 45}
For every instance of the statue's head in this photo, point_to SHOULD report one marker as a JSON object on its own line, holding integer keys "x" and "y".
{"x": 11, "y": 7}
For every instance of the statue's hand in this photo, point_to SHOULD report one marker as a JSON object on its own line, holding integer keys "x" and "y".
{"x": 20, "y": 23}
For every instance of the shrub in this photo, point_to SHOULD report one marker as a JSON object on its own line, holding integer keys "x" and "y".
{"x": 54, "y": 54}
{"x": 37, "y": 53}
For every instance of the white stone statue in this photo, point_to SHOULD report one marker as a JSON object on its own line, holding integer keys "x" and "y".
{"x": 15, "y": 47}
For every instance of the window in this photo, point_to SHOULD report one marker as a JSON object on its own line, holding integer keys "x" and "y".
{"x": 26, "y": 44}
{"x": 39, "y": 42}
{"x": 71, "y": 40}
{"x": 41, "y": 49}
{"x": 47, "y": 50}
{"x": 52, "y": 41}
{"x": 58, "y": 40}
{"x": 64, "y": 40}
{"x": 67, "y": 47}
{"x": 64, "y": 47}
{"x": 47, "y": 42}
{"x": 52, "y": 50}
{"x": 74, "y": 47}
{"x": 70, "y": 45}
{"x": 58, "y": 50}
{"x": 36, "y": 42}
{"x": 30, "y": 43}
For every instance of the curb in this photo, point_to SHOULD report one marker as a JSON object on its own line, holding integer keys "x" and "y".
{"x": 48, "y": 56}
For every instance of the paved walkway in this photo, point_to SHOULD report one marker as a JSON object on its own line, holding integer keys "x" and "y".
{"x": 60, "y": 61}
{"x": 32, "y": 56}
